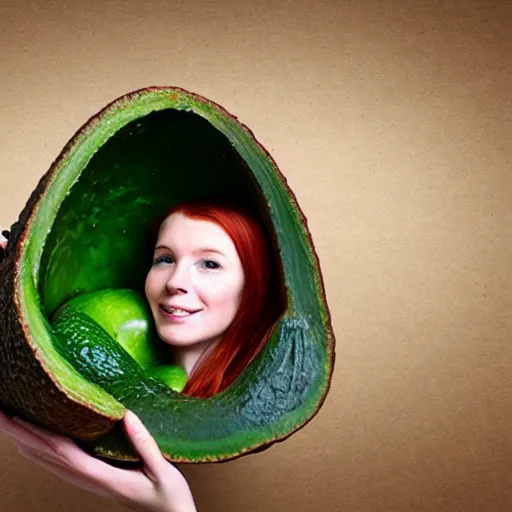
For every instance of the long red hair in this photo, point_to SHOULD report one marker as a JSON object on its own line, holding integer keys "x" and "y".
{"x": 261, "y": 303}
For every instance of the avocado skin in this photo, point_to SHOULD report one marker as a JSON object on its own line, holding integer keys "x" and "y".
{"x": 27, "y": 388}
{"x": 124, "y": 314}
{"x": 92, "y": 351}
{"x": 99, "y": 358}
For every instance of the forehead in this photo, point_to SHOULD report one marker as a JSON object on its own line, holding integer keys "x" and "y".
{"x": 179, "y": 231}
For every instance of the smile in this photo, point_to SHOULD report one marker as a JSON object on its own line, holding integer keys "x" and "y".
{"x": 177, "y": 312}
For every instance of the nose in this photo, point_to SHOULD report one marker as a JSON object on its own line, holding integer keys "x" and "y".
{"x": 179, "y": 280}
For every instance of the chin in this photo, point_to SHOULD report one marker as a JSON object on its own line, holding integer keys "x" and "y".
{"x": 178, "y": 341}
{"x": 181, "y": 338}
{"x": 181, "y": 343}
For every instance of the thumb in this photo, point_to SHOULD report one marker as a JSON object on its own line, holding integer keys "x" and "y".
{"x": 144, "y": 444}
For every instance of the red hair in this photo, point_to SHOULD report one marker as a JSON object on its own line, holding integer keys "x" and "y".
{"x": 261, "y": 302}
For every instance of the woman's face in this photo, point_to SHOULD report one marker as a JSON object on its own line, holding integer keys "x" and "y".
{"x": 195, "y": 283}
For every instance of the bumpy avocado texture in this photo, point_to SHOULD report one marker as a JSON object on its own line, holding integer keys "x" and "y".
{"x": 81, "y": 231}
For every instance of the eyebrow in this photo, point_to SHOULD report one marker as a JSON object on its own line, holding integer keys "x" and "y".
{"x": 201, "y": 249}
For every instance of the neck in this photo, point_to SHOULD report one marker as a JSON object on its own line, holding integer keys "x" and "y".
{"x": 189, "y": 357}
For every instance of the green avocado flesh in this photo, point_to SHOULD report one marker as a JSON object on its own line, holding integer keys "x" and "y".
{"x": 172, "y": 376}
{"x": 87, "y": 231}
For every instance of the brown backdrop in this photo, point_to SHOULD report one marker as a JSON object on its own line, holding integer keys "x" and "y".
{"x": 392, "y": 122}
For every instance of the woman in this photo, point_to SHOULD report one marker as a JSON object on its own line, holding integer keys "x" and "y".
{"x": 208, "y": 291}
{"x": 211, "y": 280}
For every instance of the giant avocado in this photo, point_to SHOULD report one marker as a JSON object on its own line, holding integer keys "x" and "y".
{"x": 81, "y": 231}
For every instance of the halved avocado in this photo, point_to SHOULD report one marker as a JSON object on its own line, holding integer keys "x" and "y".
{"x": 82, "y": 230}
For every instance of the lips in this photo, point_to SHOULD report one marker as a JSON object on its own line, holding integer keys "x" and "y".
{"x": 178, "y": 311}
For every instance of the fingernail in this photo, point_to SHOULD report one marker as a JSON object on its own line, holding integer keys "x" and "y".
{"x": 132, "y": 422}
{"x": 128, "y": 422}
{"x": 130, "y": 417}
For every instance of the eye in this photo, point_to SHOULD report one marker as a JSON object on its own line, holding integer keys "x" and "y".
{"x": 163, "y": 259}
{"x": 210, "y": 264}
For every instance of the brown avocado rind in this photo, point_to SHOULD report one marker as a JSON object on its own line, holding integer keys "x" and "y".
{"x": 33, "y": 387}
{"x": 26, "y": 386}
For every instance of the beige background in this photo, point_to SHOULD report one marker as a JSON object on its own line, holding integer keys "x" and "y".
{"x": 392, "y": 122}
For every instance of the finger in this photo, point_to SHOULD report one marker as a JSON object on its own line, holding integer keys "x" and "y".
{"x": 62, "y": 472}
{"x": 59, "y": 448}
{"x": 22, "y": 434}
{"x": 59, "y": 445}
{"x": 56, "y": 445}
{"x": 145, "y": 445}
{"x": 4, "y": 236}
{"x": 81, "y": 467}
{"x": 66, "y": 448}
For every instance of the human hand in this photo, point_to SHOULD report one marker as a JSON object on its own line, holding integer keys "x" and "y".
{"x": 4, "y": 236}
{"x": 157, "y": 487}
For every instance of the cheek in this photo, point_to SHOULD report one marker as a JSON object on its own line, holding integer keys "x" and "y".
{"x": 238, "y": 288}
{"x": 226, "y": 300}
{"x": 149, "y": 287}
